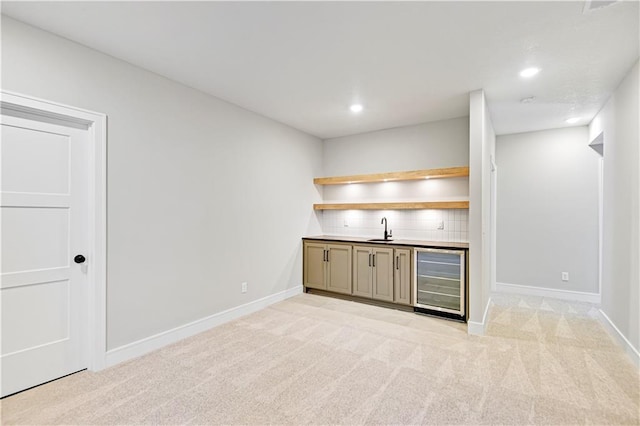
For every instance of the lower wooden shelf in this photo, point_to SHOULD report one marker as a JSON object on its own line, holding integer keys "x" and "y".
{"x": 395, "y": 206}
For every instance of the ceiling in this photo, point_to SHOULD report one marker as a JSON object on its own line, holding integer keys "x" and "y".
{"x": 304, "y": 63}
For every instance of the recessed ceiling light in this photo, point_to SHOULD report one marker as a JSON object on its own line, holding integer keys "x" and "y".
{"x": 355, "y": 108}
{"x": 529, "y": 72}
{"x": 572, "y": 120}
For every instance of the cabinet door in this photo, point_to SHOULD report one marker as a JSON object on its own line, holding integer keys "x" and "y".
{"x": 362, "y": 271}
{"x": 402, "y": 276}
{"x": 339, "y": 268}
{"x": 383, "y": 274}
{"x": 314, "y": 265}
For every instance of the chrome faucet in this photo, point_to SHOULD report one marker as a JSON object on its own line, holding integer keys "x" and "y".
{"x": 387, "y": 235}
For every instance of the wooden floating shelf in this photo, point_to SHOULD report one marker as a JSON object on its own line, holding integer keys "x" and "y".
{"x": 449, "y": 172}
{"x": 395, "y": 206}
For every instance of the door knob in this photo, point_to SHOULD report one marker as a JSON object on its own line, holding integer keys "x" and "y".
{"x": 79, "y": 259}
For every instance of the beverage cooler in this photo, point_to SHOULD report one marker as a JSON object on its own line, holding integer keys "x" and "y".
{"x": 440, "y": 285}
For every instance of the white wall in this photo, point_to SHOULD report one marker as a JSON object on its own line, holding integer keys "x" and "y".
{"x": 621, "y": 234}
{"x": 547, "y": 211}
{"x": 424, "y": 146}
{"x": 481, "y": 151}
{"x": 202, "y": 195}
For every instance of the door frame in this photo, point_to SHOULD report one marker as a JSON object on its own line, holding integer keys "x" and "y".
{"x": 19, "y": 105}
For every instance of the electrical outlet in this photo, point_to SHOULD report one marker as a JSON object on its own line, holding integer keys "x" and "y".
{"x": 565, "y": 276}
{"x": 441, "y": 224}
{"x": 346, "y": 223}
{"x": 244, "y": 287}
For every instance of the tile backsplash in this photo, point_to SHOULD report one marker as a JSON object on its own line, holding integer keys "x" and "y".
{"x": 431, "y": 225}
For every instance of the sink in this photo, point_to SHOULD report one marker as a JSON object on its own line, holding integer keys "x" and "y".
{"x": 380, "y": 240}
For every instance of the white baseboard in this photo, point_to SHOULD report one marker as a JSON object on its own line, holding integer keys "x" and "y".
{"x": 478, "y": 328}
{"x": 578, "y": 296}
{"x": 620, "y": 338}
{"x": 149, "y": 344}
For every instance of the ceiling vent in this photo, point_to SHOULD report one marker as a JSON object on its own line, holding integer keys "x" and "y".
{"x": 591, "y": 5}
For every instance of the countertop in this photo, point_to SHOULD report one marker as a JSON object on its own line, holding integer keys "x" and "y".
{"x": 393, "y": 242}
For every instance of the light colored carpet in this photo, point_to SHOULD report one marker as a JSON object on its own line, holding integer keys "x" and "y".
{"x": 318, "y": 360}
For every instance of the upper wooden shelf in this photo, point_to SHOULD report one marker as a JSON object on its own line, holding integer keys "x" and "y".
{"x": 395, "y": 206}
{"x": 449, "y": 172}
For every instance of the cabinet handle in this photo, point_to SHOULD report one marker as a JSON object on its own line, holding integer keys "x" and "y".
{"x": 374, "y": 260}
{"x": 369, "y": 259}
{"x": 327, "y": 255}
{"x": 397, "y": 262}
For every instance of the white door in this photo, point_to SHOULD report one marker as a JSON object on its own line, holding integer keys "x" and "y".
{"x": 44, "y": 222}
